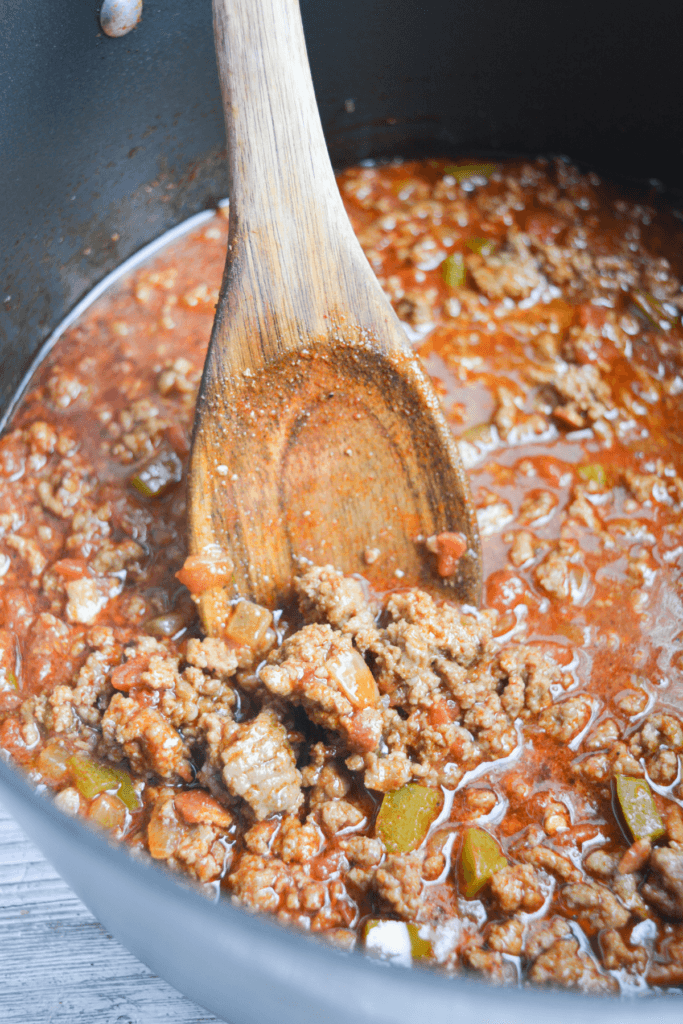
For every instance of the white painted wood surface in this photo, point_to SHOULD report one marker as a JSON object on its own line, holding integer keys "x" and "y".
{"x": 58, "y": 965}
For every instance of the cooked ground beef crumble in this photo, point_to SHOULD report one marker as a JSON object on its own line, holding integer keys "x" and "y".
{"x": 494, "y": 790}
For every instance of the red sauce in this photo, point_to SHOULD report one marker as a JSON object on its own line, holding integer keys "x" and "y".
{"x": 546, "y": 307}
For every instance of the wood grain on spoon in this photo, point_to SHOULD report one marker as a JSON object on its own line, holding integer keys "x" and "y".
{"x": 317, "y": 434}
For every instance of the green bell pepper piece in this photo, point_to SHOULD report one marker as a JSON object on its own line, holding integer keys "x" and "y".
{"x": 593, "y": 471}
{"x": 453, "y": 270}
{"x": 483, "y": 246}
{"x": 638, "y": 808}
{"x": 405, "y": 816}
{"x": 92, "y": 778}
{"x": 461, "y": 172}
{"x": 480, "y": 857}
{"x": 420, "y": 949}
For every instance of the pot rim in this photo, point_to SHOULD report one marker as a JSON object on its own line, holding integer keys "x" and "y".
{"x": 425, "y": 988}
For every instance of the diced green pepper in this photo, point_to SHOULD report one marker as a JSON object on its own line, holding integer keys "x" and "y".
{"x": 92, "y": 778}
{"x": 403, "y": 188}
{"x": 126, "y": 791}
{"x": 419, "y": 947}
{"x": 593, "y": 472}
{"x": 453, "y": 270}
{"x": 479, "y": 432}
{"x": 405, "y": 816}
{"x": 158, "y": 474}
{"x": 638, "y": 808}
{"x": 11, "y": 679}
{"x": 480, "y": 858}
{"x": 483, "y": 246}
{"x": 391, "y": 938}
{"x": 652, "y": 310}
{"x": 461, "y": 172}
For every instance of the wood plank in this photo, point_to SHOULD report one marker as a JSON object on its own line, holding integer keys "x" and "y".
{"x": 58, "y": 965}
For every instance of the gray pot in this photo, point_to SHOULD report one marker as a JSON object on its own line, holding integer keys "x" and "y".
{"x": 107, "y": 143}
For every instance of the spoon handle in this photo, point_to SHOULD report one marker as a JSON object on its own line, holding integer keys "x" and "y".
{"x": 316, "y": 431}
{"x": 285, "y": 204}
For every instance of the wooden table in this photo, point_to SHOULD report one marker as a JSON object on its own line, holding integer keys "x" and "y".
{"x": 58, "y": 965}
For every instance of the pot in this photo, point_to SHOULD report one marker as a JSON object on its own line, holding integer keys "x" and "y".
{"x": 107, "y": 143}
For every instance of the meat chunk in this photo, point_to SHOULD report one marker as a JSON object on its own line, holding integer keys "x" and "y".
{"x": 183, "y": 697}
{"x": 587, "y": 396}
{"x": 421, "y": 639}
{"x": 336, "y": 815}
{"x": 541, "y": 935}
{"x": 616, "y": 954}
{"x": 493, "y": 517}
{"x": 490, "y": 963}
{"x": 268, "y": 883}
{"x": 296, "y": 841}
{"x": 399, "y": 882}
{"x": 326, "y": 595}
{"x": 551, "y": 861}
{"x": 530, "y": 675}
{"x": 511, "y": 272}
{"x": 194, "y": 847}
{"x": 603, "y": 736}
{"x": 512, "y": 423}
{"x": 506, "y": 936}
{"x": 212, "y": 655}
{"x": 566, "y": 720}
{"x": 146, "y": 738}
{"x": 665, "y": 889}
{"x": 563, "y": 964}
{"x": 444, "y": 629}
{"x": 87, "y": 697}
{"x": 114, "y": 558}
{"x": 50, "y": 653}
{"x": 523, "y": 548}
{"x": 561, "y": 573}
{"x": 517, "y": 887}
{"x": 598, "y": 907}
{"x": 29, "y": 550}
{"x": 387, "y": 773}
{"x": 320, "y": 669}
{"x": 657, "y": 731}
{"x": 259, "y": 765}
{"x": 536, "y": 507}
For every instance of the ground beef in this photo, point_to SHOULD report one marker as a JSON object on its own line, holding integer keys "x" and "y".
{"x": 145, "y": 737}
{"x": 563, "y": 964}
{"x": 665, "y": 890}
{"x": 333, "y": 762}
{"x": 259, "y": 765}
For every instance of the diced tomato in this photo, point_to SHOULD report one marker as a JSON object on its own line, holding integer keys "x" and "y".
{"x": 202, "y": 572}
{"x": 197, "y": 807}
{"x": 70, "y": 568}
{"x": 450, "y": 547}
{"x": 126, "y": 676}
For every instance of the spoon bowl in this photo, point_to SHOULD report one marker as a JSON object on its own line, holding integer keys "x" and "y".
{"x": 317, "y": 435}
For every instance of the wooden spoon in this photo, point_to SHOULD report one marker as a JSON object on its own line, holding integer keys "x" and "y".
{"x": 316, "y": 435}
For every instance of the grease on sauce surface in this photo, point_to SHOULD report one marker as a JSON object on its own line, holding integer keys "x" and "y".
{"x": 496, "y": 791}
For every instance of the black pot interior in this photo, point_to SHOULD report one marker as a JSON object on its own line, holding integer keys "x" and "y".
{"x": 106, "y": 143}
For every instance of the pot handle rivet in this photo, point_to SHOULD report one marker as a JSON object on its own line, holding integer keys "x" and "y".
{"x": 118, "y": 17}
